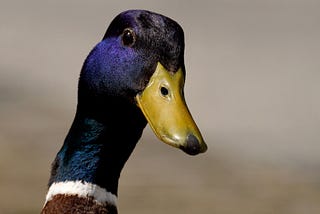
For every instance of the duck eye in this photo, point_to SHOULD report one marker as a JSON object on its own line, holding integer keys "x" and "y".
{"x": 164, "y": 91}
{"x": 128, "y": 37}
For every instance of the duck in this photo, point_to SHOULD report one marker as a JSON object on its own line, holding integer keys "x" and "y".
{"x": 133, "y": 77}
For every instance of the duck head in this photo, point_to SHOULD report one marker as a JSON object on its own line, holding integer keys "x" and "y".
{"x": 141, "y": 60}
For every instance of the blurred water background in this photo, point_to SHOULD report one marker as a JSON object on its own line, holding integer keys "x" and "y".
{"x": 253, "y": 83}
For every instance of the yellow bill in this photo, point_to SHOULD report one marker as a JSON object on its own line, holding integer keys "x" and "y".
{"x": 163, "y": 104}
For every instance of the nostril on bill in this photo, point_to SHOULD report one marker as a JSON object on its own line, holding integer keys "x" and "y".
{"x": 192, "y": 146}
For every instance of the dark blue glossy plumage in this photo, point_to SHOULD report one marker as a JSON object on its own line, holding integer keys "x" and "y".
{"x": 96, "y": 147}
{"x": 112, "y": 69}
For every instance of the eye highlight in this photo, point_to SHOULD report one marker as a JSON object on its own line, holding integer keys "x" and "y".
{"x": 128, "y": 37}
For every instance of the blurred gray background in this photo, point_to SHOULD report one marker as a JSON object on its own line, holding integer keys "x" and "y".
{"x": 253, "y": 82}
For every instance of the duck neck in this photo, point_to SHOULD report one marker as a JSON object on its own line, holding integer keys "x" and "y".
{"x": 101, "y": 139}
